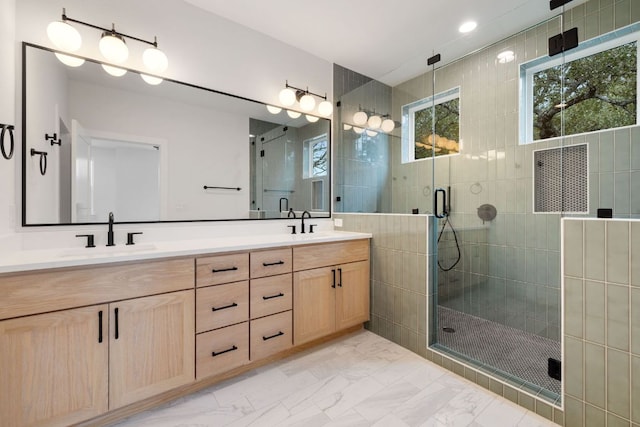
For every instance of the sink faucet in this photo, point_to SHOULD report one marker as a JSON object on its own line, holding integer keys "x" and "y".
{"x": 110, "y": 232}
{"x": 302, "y": 216}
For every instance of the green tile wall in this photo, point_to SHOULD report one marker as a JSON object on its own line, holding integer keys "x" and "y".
{"x": 602, "y": 322}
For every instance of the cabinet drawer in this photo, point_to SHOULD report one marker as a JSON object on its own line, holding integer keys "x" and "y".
{"x": 219, "y": 269}
{"x": 222, "y": 350}
{"x": 271, "y": 295}
{"x": 223, "y": 305}
{"x": 270, "y": 335}
{"x": 323, "y": 255}
{"x": 270, "y": 263}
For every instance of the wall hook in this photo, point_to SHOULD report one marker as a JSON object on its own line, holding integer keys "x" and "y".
{"x": 7, "y": 130}
{"x": 53, "y": 138}
{"x": 43, "y": 160}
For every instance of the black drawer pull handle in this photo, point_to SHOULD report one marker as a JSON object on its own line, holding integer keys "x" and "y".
{"x": 340, "y": 275}
{"x": 273, "y": 296}
{"x": 269, "y": 264}
{"x": 117, "y": 331}
{"x": 100, "y": 326}
{"x": 226, "y": 306}
{"x": 333, "y": 283}
{"x": 214, "y": 354}
{"x": 273, "y": 336}
{"x": 224, "y": 269}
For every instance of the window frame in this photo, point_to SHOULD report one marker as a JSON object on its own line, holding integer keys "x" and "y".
{"x": 408, "y": 122}
{"x": 587, "y": 48}
{"x": 308, "y": 145}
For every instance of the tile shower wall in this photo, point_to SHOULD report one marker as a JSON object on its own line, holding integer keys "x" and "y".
{"x": 399, "y": 256}
{"x": 602, "y": 322}
{"x": 510, "y": 267}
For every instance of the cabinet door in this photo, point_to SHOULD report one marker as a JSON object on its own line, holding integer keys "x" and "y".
{"x": 352, "y": 294}
{"x": 313, "y": 304}
{"x": 151, "y": 346}
{"x": 54, "y": 367}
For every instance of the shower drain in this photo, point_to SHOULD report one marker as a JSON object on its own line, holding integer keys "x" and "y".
{"x": 449, "y": 330}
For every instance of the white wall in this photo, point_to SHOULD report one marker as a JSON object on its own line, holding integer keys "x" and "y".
{"x": 202, "y": 48}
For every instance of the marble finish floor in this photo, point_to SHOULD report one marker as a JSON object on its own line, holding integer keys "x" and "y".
{"x": 358, "y": 380}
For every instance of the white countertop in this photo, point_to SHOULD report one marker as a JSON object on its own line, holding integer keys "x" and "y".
{"x": 26, "y": 260}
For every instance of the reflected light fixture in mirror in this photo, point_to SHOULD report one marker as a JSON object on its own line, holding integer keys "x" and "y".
{"x": 387, "y": 125}
{"x": 358, "y": 130}
{"x": 371, "y": 132}
{"x": 293, "y": 114}
{"x": 273, "y": 109}
{"x": 112, "y": 46}
{"x": 70, "y": 61}
{"x": 374, "y": 122}
{"x": 346, "y": 126}
{"x": 152, "y": 80}
{"x": 114, "y": 71}
{"x": 311, "y": 119}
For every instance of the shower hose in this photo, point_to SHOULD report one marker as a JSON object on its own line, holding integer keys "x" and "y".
{"x": 455, "y": 237}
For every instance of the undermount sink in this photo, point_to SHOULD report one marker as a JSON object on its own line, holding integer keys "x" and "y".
{"x": 108, "y": 250}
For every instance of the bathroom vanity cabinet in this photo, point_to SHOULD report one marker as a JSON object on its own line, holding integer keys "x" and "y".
{"x": 65, "y": 366}
{"x": 100, "y": 342}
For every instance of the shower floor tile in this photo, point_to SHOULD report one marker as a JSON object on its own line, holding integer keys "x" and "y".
{"x": 515, "y": 352}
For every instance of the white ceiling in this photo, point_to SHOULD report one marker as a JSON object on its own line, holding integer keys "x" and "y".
{"x": 383, "y": 39}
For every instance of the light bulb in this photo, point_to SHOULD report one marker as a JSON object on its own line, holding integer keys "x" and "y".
{"x": 374, "y": 122}
{"x": 114, "y": 71}
{"x": 371, "y": 132}
{"x": 358, "y": 130}
{"x": 152, "y": 80}
{"x": 273, "y": 109}
{"x": 113, "y": 48}
{"x": 287, "y": 97}
{"x": 467, "y": 27}
{"x": 388, "y": 125}
{"x": 360, "y": 118}
{"x": 64, "y": 36}
{"x": 312, "y": 119}
{"x": 325, "y": 108}
{"x": 155, "y": 60}
{"x": 71, "y": 61}
{"x": 293, "y": 114}
{"x": 307, "y": 103}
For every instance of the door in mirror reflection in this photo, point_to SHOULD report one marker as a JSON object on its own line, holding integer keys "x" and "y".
{"x": 114, "y": 173}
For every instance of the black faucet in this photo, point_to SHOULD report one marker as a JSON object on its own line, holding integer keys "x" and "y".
{"x": 291, "y": 214}
{"x": 110, "y": 232}
{"x": 302, "y": 231}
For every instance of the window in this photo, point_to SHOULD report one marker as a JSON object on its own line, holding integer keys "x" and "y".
{"x": 315, "y": 157}
{"x": 418, "y": 139}
{"x": 595, "y": 88}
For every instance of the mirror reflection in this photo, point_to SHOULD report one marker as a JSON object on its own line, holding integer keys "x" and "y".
{"x": 166, "y": 152}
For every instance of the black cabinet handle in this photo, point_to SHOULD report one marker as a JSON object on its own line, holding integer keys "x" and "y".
{"x": 214, "y": 354}
{"x": 117, "y": 334}
{"x": 100, "y": 326}
{"x": 333, "y": 282}
{"x": 224, "y": 307}
{"x": 273, "y": 296}
{"x": 340, "y": 277}
{"x": 273, "y": 336}
{"x": 224, "y": 269}
{"x": 269, "y": 264}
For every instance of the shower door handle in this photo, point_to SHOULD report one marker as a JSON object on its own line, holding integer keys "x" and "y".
{"x": 436, "y": 208}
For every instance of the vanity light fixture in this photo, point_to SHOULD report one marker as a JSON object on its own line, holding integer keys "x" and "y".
{"x": 112, "y": 46}
{"x": 360, "y": 118}
{"x": 373, "y": 121}
{"x": 290, "y": 94}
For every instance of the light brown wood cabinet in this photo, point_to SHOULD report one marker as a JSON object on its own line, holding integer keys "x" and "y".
{"x": 54, "y": 367}
{"x": 329, "y": 299}
{"x": 151, "y": 346}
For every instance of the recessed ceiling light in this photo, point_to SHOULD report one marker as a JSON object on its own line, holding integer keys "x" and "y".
{"x": 468, "y": 27}
{"x": 506, "y": 56}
